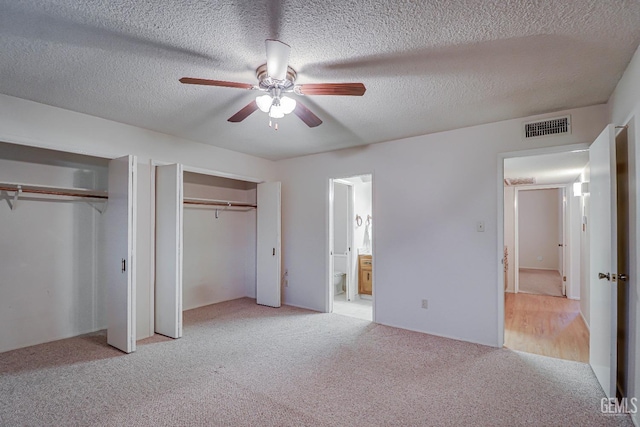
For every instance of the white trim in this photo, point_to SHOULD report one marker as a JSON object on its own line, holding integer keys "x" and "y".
{"x": 29, "y": 142}
{"x": 329, "y": 250}
{"x": 585, "y": 321}
{"x": 212, "y": 172}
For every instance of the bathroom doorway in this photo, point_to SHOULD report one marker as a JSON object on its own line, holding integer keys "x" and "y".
{"x": 350, "y": 291}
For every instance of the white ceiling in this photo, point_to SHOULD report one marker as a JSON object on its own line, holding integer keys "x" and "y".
{"x": 428, "y": 66}
{"x": 557, "y": 168}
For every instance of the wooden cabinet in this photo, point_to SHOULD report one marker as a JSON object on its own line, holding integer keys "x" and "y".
{"x": 365, "y": 274}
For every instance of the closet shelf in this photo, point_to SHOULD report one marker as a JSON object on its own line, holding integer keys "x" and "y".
{"x": 212, "y": 202}
{"x": 54, "y": 191}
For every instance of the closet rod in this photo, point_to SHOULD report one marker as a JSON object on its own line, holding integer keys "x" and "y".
{"x": 210, "y": 202}
{"x": 54, "y": 191}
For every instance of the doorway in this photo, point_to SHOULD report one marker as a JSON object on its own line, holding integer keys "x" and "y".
{"x": 539, "y": 250}
{"x": 350, "y": 288}
{"x": 542, "y": 286}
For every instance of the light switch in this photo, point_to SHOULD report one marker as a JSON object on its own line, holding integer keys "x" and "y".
{"x": 480, "y": 226}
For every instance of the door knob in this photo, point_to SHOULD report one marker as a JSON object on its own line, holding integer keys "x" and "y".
{"x": 560, "y": 244}
{"x": 604, "y": 276}
{"x": 622, "y": 277}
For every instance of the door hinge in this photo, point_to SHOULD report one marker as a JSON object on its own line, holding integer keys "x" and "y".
{"x": 564, "y": 278}
{"x": 124, "y": 265}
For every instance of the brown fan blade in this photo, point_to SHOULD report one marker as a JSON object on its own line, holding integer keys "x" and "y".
{"x": 306, "y": 115}
{"x": 222, "y": 83}
{"x": 244, "y": 113}
{"x": 349, "y": 89}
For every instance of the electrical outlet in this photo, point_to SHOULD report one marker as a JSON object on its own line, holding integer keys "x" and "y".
{"x": 425, "y": 303}
{"x": 286, "y": 278}
{"x": 480, "y": 226}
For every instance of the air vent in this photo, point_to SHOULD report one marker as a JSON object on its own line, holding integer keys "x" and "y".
{"x": 556, "y": 126}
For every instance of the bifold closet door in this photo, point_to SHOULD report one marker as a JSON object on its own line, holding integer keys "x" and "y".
{"x": 168, "y": 290}
{"x": 120, "y": 248}
{"x": 268, "y": 245}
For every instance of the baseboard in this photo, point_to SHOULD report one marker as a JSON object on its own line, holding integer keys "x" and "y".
{"x": 451, "y": 337}
{"x": 539, "y": 268}
{"x": 585, "y": 322}
{"x": 303, "y": 307}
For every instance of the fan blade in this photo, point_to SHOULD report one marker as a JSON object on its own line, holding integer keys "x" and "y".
{"x": 277, "y": 59}
{"x": 349, "y": 89}
{"x": 244, "y": 113}
{"x": 306, "y": 115}
{"x": 222, "y": 83}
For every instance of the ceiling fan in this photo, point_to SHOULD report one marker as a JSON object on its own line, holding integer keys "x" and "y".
{"x": 277, "y": 79}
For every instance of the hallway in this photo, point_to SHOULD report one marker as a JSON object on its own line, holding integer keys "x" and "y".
{"x": 546, "y": 325}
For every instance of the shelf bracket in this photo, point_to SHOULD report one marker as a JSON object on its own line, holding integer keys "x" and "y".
{"x": 16, "y": 194}
{"x": 94, "y": 206}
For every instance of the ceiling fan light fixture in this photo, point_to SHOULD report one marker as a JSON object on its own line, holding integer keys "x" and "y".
{"x": 276, "y": 112}
{"x": 287, "y": 104}
{"x": 264, "y": 103}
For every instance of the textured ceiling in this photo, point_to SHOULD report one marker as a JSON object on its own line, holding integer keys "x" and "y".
{"x": 428, "y": 66}
{"x": 557, "y": 168}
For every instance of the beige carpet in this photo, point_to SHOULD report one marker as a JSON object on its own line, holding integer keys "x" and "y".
{"x": 540, "y": 282}
{"x": 240, "y": 364}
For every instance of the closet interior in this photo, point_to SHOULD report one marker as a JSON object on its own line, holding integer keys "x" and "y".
{"x": 55, "y": 241}
{"x": 219, "y": 239}
{"x": 206, "y": 243}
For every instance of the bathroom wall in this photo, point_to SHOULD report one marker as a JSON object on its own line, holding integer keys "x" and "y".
{"x": 362, "y": 207}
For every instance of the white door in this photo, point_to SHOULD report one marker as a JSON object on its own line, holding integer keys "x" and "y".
{"x": 168, "y": 289}
{"x": 268, "y": 245}
{"x": 350, "y": 282}
{"x": 119, "y": 255}
{"x": 562, "y": 237}
{"x": 603, "y": 249}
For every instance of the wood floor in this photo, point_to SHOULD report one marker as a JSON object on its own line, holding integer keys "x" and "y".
{"x": 545, "y": 325}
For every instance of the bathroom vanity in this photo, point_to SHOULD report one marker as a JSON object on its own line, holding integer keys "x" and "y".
{"x": 364, "y": 274}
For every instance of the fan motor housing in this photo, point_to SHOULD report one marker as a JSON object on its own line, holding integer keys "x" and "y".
{"x": 266, "y": 83}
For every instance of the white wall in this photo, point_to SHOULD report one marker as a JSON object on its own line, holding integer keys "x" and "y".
{"x": 49, "y": 251}
{"x": 219, "y": 253}
{"x": 429, "y": 191}
{"x": 29, "y": 123}
{"x": 510, "y": 235}
{"x": 624, "y": 109}
{"x": 538, "y": 229}
{"x": 362, "y": 207}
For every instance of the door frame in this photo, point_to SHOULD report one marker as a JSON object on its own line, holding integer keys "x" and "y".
{"x": 329, "y": 239}
{"x": 152, "y": 221}
{"x": 350, "y": 212}
{"x": 500, "y": 226}
{"x": 516, "y": 246}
